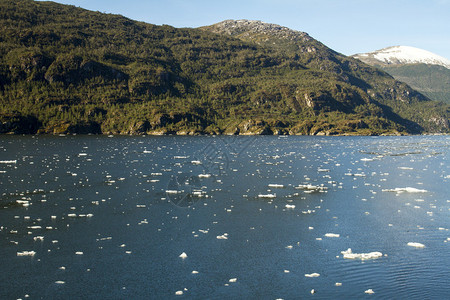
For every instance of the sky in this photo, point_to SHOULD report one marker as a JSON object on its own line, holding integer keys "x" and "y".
{"x": 346, "y": 26}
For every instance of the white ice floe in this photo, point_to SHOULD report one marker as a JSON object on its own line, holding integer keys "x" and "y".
{"x": 366, "y": 159}
{"x": 59, "y": 282}
{"x": 172, "y": 191}
{"x": 183, "y": 255}
{"x": 38, "y": 238}
{"x": 290, "y": 206}
{"x": 312, "y": 275}
{"x": 223, "y": 236}
{"x": 417, "y": 245}
{"x": 348, "y": 254}
{"x": 232, "y": 280}
{"x": 196, "y": 162}
{"x": 369, "y": 291}
{"x": 274, "y": 185}
{"x": 204, "y": 175}
{"x": 179, "y": 293}
{"x": 79, "y": 253}
{"x": 311, "y": 188}
{"x": 267, "y": 195}
{"x": 8, "y": 161}
{"x": 332, "y": 235}
{"x": 338, "y": 284}
{"x": 26, "y": 253}
{"x": 405, "y": 190}
{"x": 194, "y": 272}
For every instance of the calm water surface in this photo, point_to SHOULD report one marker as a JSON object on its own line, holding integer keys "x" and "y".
{"x": 108, "y": 217}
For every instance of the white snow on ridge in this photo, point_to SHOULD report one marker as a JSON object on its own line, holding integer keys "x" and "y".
{"x": 409, "y": 55}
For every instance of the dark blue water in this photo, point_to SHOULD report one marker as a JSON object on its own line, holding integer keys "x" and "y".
{"x": 108, "y": 217}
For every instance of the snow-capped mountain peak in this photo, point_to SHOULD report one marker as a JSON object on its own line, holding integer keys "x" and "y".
{"x": 404, "y": 55}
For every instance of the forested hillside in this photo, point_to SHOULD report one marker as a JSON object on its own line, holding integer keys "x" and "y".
{"x": 64, "y": 69}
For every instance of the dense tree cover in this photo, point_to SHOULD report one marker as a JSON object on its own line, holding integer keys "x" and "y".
{"x": 66, "y": 69}
{"x": 431, "y": 80}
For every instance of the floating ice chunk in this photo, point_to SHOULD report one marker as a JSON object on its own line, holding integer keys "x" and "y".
{"x": 405, "y": 190}
{"x": 172, "y": 192}
{"x": 204, "y": 175}
{"x": 366, "y": 159}
{"x": 289, "y": 247}
{"x": 79, "y": 253}
{"x": 179, "y": 293}
{"x": 369, "y": 291}
{"x": 196, "y": 162}
{"x": 290, "y": 206}
{"x": 82, "y": 154}
{"x": 267, "y": 195}
{"x": 348, "y": 254}
{"x": 232, "y": 280}
{"x": 309, "y": 188}
{"x": 38, "y": 238}
{"x": 338, "y": 284}
{"x": 312, "y": 275}
{"x": 26, "y": 253}
{"x": 417, "y": 245}
{"x": 59, "y": 282}
{"x": 183, "y": 255}
{"x": 8, "y": 161}
{"x": 287, "y": 271}
{"x": 24, "y": 203}
{"x": 72, "y": 215}
{"x": 405, "y": 168}
{"x": 194, "y": 272}
{"x": 313, "y": 291}
{"x": 332, "y": 235}
{"x": 223, "y": 236}
{"x": 274, "y": 185}
{"x": 203, "y": 231}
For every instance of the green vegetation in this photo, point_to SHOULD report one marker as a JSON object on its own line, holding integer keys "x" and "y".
{"x": 431, "y": 80}
{"x": 68, "y": 70}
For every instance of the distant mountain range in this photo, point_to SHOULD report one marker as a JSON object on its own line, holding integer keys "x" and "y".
{"x": 64, "y": 69}
{"x": 424, "y": 71}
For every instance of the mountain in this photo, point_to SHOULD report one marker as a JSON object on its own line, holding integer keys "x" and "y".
{"x": 401, "y": 55}
{"x": 424, "y": 71}
{"x": 64, "y": 69}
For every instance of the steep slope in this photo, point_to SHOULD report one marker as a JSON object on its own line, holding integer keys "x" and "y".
{"x": 424, "y": 71}
{"x": 65, "y": 69}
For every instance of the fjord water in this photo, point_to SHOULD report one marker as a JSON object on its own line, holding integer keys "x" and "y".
{"x": 109, "y": 217}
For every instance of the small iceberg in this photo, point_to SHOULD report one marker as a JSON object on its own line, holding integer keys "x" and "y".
{"x": 369, "y": 291}
{"x": 26, "y": 253}
{"x": 8, "y": 161}
{"x": 290, "y": 206}
{"x": 309, "y": 188}
{"x": 267, "y": 195}
{"x": 416, "y": 245}
{"x": 348, "y": 254}
{"x": 405, "y": 190}
{"x": 183, "y": 255}
{"x": 223, "y": 236}
{"x": 204, "y": 175}
{"x": 312, "y": 275}
{"x": 232, "y": 280}
{"x": 274, "y": 185}
{"x": 332, "y": 235}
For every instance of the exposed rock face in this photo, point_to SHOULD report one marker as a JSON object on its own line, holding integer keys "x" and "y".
{"x": 251, "y": 27}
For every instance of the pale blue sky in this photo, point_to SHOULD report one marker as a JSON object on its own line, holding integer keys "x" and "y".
{"x": 347, "y": 26}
